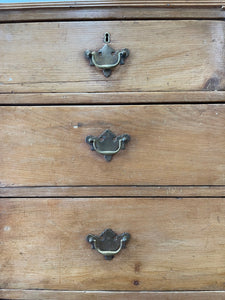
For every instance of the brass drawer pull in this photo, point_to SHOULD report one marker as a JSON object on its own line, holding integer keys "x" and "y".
{"x": 108, "y": 243}
{"x": 107, "y": 143}
{"x": 106, "y": 58}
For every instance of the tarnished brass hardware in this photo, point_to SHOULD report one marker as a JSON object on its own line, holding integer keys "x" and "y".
{"x": 108, "y": 243}
{"x": 107, "y": 143}
{"x": 106, "y": 58}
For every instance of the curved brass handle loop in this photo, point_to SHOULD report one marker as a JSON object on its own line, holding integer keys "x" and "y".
{"x": 117, "y": 58}
{"x": 106, "y": 58}
{"x": 108, "y": 243}
{"x": 109, "y": 152}
{"x": 107, "y": 143}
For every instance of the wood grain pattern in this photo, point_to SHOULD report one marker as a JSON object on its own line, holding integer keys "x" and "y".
{"x": 175, "y": 151}
{"x": 170, "y": 145}
{"x": 114, "y": 191}
{"x": 89, "y": 295}
{"x": 113, "y": 3}
{"x": 164, "y": 56}
{"x": 13, "y": 14}
{"x": 176, "y": 244}
{"x": 117, "y": 97}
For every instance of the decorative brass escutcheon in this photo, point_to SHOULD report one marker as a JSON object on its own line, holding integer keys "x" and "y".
{"x": 106, "y": 58}
{"x": 108, "y": 243}
{"x": 107, "y": 143}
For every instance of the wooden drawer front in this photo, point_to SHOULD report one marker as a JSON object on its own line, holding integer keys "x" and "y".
{"x": 170, "y": 145}
{"x": 175, "y": 244}
{"x": 164, "y": 56}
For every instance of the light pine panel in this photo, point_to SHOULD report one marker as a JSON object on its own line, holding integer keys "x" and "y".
{"x": 176, "y": 244}
{"x": 90, "y": 295}
{"x": 110, "y": 3}
{"x": 16, "y": 13}
{"x": 170, "y": 145}
{"x": 114, "y": 97}
{"x": 164, "y": 56}
{"x": 114, "y": 191}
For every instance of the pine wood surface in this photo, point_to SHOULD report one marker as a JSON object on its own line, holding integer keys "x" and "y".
{"x": 113, "y": 97}
{"x": 113, "y": 3}
{"x": 113, "y": 191}
{"x": 176, "y": 244}
{"x": 170, "y": 145}
{"x": 90, "y": 295}
{"x": 164, "y": 56}
{"x": 70, "y": 12}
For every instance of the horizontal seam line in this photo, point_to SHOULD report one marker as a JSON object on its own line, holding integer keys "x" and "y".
{"x": 100, "y": 186}
{"x": 119, "y": 291}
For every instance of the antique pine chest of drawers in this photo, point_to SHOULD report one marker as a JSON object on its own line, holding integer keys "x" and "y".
{"x": 142, "y": 216}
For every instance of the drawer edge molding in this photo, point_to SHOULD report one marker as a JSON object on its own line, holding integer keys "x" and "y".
{"x": 108, "y": 295}
{"x": 113, "y": 191}
{"x": 16, "y": 12}
{"x": 110, "y": 3}
{"x": 113, "y": 98}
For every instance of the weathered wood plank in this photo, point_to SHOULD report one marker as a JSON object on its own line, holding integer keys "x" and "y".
{"x": 164, "y": 56}
{"x": 114, "y": 97}
{"x": 114, "y": 191}
{"x": 170, "y": 145}
{"x": 176, "y": 244}
{"x": 113, "y": 13}
{"x": 113, "y": 3}
{"x": 89, "y": 295}
{"x": 34, "y": 13}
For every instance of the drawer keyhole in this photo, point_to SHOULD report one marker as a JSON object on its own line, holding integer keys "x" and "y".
{"x": 107, "y": 38}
